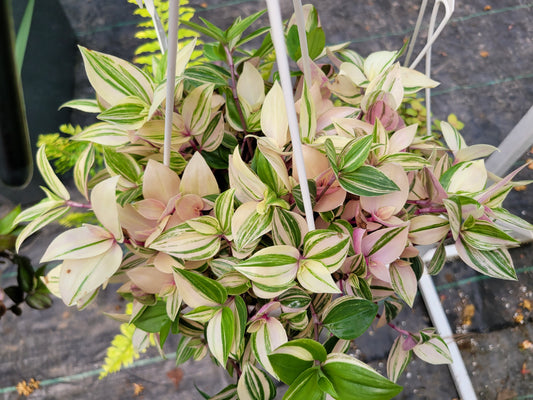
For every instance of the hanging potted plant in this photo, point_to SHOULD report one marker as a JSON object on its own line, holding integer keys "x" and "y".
{"x": 270, "y": 258}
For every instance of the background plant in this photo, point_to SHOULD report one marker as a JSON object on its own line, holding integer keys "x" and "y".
{"x": 214, "y": 246}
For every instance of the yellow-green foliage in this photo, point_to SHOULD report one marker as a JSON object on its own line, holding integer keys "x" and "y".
{"x": 121, "y": 353}
{"x": 413, "y": 111}
{"x": 145, "y": 52}
{"x": 75, "y": 219}
{"x": 62, "y": 150}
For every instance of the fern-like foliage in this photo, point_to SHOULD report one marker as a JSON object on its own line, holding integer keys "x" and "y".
{"x": 63, "y": 151}
{"x": 144, "y": 53}
{"x": 121, "y": 352}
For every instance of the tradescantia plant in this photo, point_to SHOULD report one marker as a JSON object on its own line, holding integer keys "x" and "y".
{"x": 214, "y": 246}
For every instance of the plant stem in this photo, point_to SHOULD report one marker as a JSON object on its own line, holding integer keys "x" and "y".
{"x": 325, "y": 188}
{"x": 71, "y": 203}
{"x": 430, "y": 210}
{"x": 396, "y": 328}
{"x": 316, "y": 321}
{"x": 236, "y": 367}
{"x": 233, "y": 86}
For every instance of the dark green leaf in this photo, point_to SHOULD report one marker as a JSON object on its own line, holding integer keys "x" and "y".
{"x": 15, "y": 293}
{"x": 39, "y": 301}
{"x": 350, "y": 317}
{"x": 209, "y": 30}
{"x": 354, "y": 380}
{"x": 25, "y": 274}
{"x": 153, "y": 318}
{"x": 293, "y": 358}
{"x": 6, "y": 223}
{"x": 305, "y": 387}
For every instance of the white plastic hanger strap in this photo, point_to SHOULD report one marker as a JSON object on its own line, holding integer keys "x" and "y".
{"x": 278, "y": 39}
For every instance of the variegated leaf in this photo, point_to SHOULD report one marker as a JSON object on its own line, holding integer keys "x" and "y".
{"x": 49, "y": 176}
{"x": 484, "y": 235}
{"x": 85, "y": 105}
{"x": 247, "y": 185}
{"x": 327, "y": 246}
{"x": 398, "y": 359}
{"x": 202, "y": 314}
{"x": 39, "y": 223}
{"x": 80, "y": 277}
{"x": 315, "y": 277}
{"x": 235, "y": 283}
{"x": 308, "y": 116}
{"x": 495, "y": 263}
{"x": 438, "y": 260}
{"x": 288, "y": 228}
{"x": 198, "y": 290}
{"x": 113, "y": 78}
{"x": 81, "y": 170}
{"x": 271, "y": 266}
{"x": 197, "y": 109}
{"x": 103, "y": 133}
{"x": 198, "y": 178}
{"x": 219, "y": 335}
{"x": 367, "y": 181}
{"x": 130, "y": 113}
{"x": 433, "y": 351}
{"x": 354, "y": 154}
{"x": 404, "y": 282}
{"x": 248, "y": 225}
{"x": 38, "y": 209}
{"x": 453, "y": 207}
{"x": 224, "y": 209}
{"x": 184, "y": 242}
{"x": 254, "y": 384}
{"x": 428, "y": 229}
{"x": 274, "y": 120}
{"x": 453, "y": 138}
{"x": 103, "y": 201}
{"x": 83, "y": 242}
{"x": 385, "y": 245}
{"x": 268, "y": 337}
{"x": 122, "y": 164}
{"x": 465, "y": 177}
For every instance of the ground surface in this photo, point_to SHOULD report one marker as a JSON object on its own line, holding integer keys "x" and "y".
{"x": 484, "y": 61}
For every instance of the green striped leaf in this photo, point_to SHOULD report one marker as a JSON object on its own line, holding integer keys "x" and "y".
{"x": 219, "y": 335}
{"x": 329, "y": 247}
{"x": 81, "y": 170}
{"x": 113, "y": 78}
{"x": 247, "y": 184}
{"x": 315, "y": 277}
{"x": 438, "y": 260}
{"x": 453, "y": 138}
{"x": 306, "y": 386}
{"x": 495, "y": 263}
{"x": 354, "y": 154}
{"x": 268, "y": 337}
{"x": 404, "y": 282}
{"x": 224, "y": 210}
{"x": 52, "y": 181}
{"x": 81, "y": 277}
{"x": 254, "y": 384}
{"x": 433, "y": 351}
{"x": 512, "y": 222}
{"x": 367, "y": 181}
{"x": 103, "y": 133}
{"x": 83, "y": 242}
{"x": 408, "y": 161}
{"x": 184, "y": 242}
{"x": 307, "y": 116}
{"x": 130, "y": 113}
{"x": 85, "y": 105}
{"x": 331, "y": 155}
{"x": 355, "y": 380}
{"x": 211, "y": 292}
{"x": 453, "y": 207}
{"x": 252, "y": 227}
{"x": 213, "y": 135}
{"x": 349, "y": 317}
{"x": 271, "y": 266}
{"x": 235, "y": 283}
{"x": 240, "y": 313}
{"x": 207, "y": 73}
{"x": 185, "y": 349}
{"x": 197, "y": 109}
{"x": 288, "y": 228}
{"x": 202, "y": 314}
{"x": 38, "y": 209}
{"x": 294, "y": 299}
{"x": 428, "y": 229}
{"x": 292, "y": 358}
{"x": 398, "y": 359}
{"x": 228, "y": 393}
{"x": 39, "y": 223}
{"x": 484, "y": 235}
{"x": 269, "y": 291}
{"x": 122, "y": 164}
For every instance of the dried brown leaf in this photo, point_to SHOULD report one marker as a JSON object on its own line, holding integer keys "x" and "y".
{"x": 137, "y": 389}
{"x": 484, "y": 53}
{"x": 487, "y": 8}
{"x": 468, "y": 313}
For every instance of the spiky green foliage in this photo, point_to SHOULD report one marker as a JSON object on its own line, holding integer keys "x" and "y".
{"x": 121, "y": 352}
{"x": 150, "y": 48}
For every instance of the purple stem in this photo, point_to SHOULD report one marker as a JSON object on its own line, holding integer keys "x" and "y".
{"x": 71, "y": 203}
